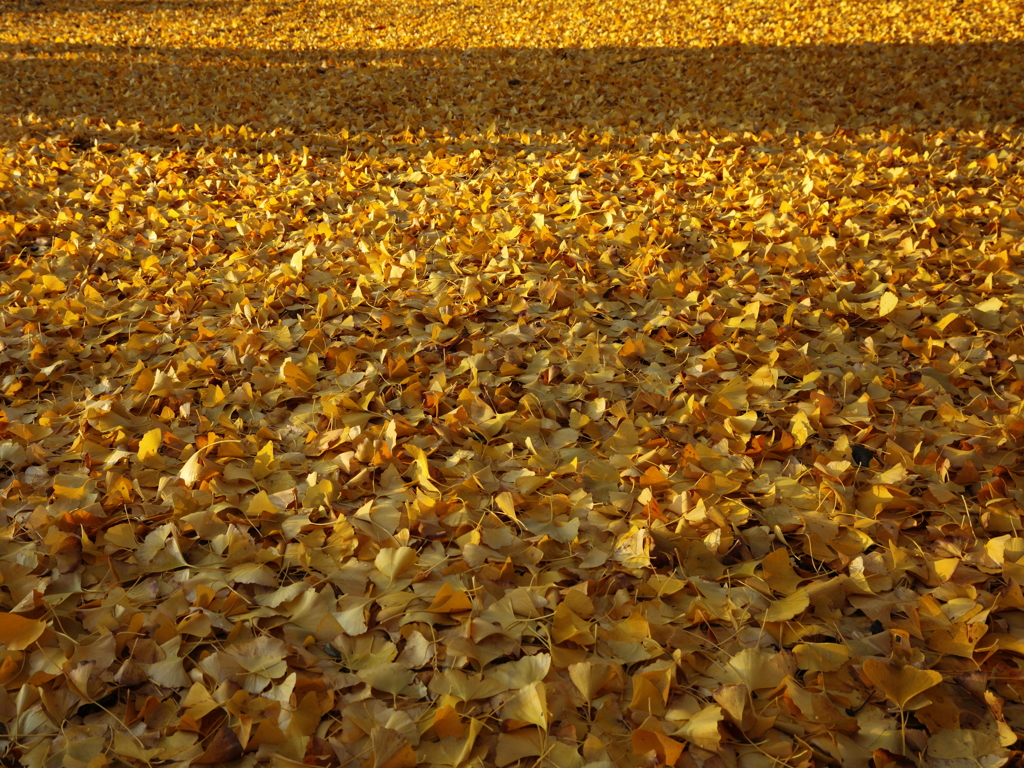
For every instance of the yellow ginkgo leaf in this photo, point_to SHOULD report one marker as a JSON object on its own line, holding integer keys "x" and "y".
{"x": 392, "y": 562}
{"x": 149, "y": 445}
{"x": 391, "y": 678}
{"x": 887, "y": 303}
{"x": 821, "y": 657}
{"x": 18, "y": 632}
{"x": 530, "y": 705}
{"x": 590, "y": 677}
{"x": 800, "y": 427}
{"x": 901, "y": 684}
{"x": 651, "y": 736}
{"x": 701, "y": 730}
{"x": 189, "y": 472}
{"x": 53, "y": 283}
{"x": 646, "y": 697}
{"x": 526, "y": 671}
{"x": 788, "y": 607}
{"x": 262, "y": 466}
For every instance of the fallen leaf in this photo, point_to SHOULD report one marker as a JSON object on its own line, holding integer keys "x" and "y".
{"x": 900, "y": 684}
{"x": 17, "y": 632}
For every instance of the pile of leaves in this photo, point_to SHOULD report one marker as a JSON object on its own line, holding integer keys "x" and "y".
{"x": 561, "y": 384}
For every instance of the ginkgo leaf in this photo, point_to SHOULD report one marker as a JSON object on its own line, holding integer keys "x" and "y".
{"x": 261, "y": 504}
{"x": 391, "y": 678}
{"x": 149, "y": 445}
{"x": 821, "y": 657}
{"x": 701, "y": 730}
{"x": 223, "y": 747}
{"x": 757, "y": 670}
{"x": 529, "y": 705}
{"x": 526, "y": 671}
{"x": 190, "y": 470}
{"x": 646, "y": 697}
{"x": 253, "y": 573}
{"x": 394, "y": 562}
{"x": 506, "y": 504}
{"x": 352, "y": 617}
{"x": 18, "y": 632}
{"x": 651, "y": 737}
{"x": 264, "y": 462}
{"x": 900, "y": 683}
{"x": 263, "y": 659}
{"x": 448, "y": 600}
{"x": 590, "y": 678}
{"x": 953, "y": 747}
{"x": 518, "y": 745}
{"x": 887, "y": 303}
{"x": 894, "y": 475}
{"x": 800, "y": 427}
{"x": 788, "y": 607}
{"x": 487, "y": 384}
{"x": 778, "y": 572}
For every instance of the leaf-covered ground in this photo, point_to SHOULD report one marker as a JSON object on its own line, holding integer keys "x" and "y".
{"x": 551, "y": 383}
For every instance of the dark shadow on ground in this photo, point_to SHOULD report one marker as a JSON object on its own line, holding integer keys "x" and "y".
{"x": 631, "y": 90}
